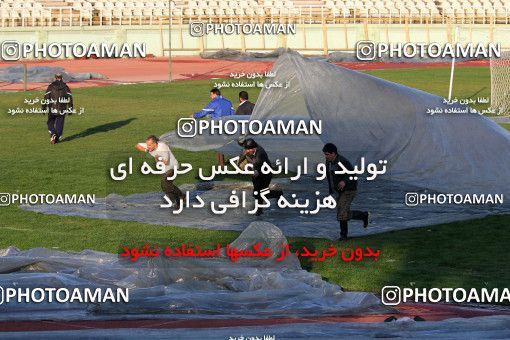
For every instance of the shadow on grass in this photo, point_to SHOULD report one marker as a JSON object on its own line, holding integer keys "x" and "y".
{"x": 100, "y": 128}
{"x": 477, "y": 92}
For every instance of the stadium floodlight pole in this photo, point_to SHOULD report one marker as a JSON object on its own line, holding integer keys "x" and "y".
{"x": 453, "y": 65}
{"x": 170, "y": 41}
{"x": 25, "y": 77}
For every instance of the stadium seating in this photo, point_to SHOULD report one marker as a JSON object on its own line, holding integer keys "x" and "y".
{"x": 15, "y": 13}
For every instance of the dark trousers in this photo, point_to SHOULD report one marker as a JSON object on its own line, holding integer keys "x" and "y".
{"x": 260, "y": 183}
{"x": 169, "y": 188}
{"x": 343, "y": 207}
{"x": 56, "y": 124}
{"x": 344, "y": 212}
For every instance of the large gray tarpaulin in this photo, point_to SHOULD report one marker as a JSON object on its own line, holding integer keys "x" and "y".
{"x": 369, "y": 117}
{"x": 384, "y": 200}
{"x": 333, "y": 57}
{"x": 43, "y": 74}
{"x": 364, "y": 116}
{"x": 167, "y": 289}
{"x": 180, "y": 286}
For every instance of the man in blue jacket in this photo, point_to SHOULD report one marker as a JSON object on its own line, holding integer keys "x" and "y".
{"x": 217, "y": 107}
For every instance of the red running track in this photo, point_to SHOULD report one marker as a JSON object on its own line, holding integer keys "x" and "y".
{"x": 430, "y": 312}
{"x": 122, "y": 71}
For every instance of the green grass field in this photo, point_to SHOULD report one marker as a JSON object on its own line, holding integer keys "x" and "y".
{"x": 464, "y": 254}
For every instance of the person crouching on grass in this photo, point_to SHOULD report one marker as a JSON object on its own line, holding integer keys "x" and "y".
{"x": 345, "y": 189}
{"x": 256, "y": 155}
{"x": 162, "y": 153}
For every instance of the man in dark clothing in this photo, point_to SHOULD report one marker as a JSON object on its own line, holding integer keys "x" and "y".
{"x": 245, "y": 106}
{"x": 344, "y": 187}
{"x": 257, "y": 156}
{"x": 242, "y": 161}
{"x": 58, "y": 101}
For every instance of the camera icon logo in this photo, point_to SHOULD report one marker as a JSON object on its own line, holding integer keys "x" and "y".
{"x": 187, "y": 127}
{"x": 391, "y": 295}
{"x": 10, "y": 50}
{"x": 196, "y": 29}
{"x": 411, "y": 199}
{"x": 366, "y": 50}
{"x": 5, "y": 199}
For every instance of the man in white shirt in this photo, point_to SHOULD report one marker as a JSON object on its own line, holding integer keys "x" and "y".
{"x": 162, "y": 153}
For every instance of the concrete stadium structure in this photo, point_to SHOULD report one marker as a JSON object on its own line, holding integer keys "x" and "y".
{"x": 309, "y": 38}
{"x": 23, "y": 13}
